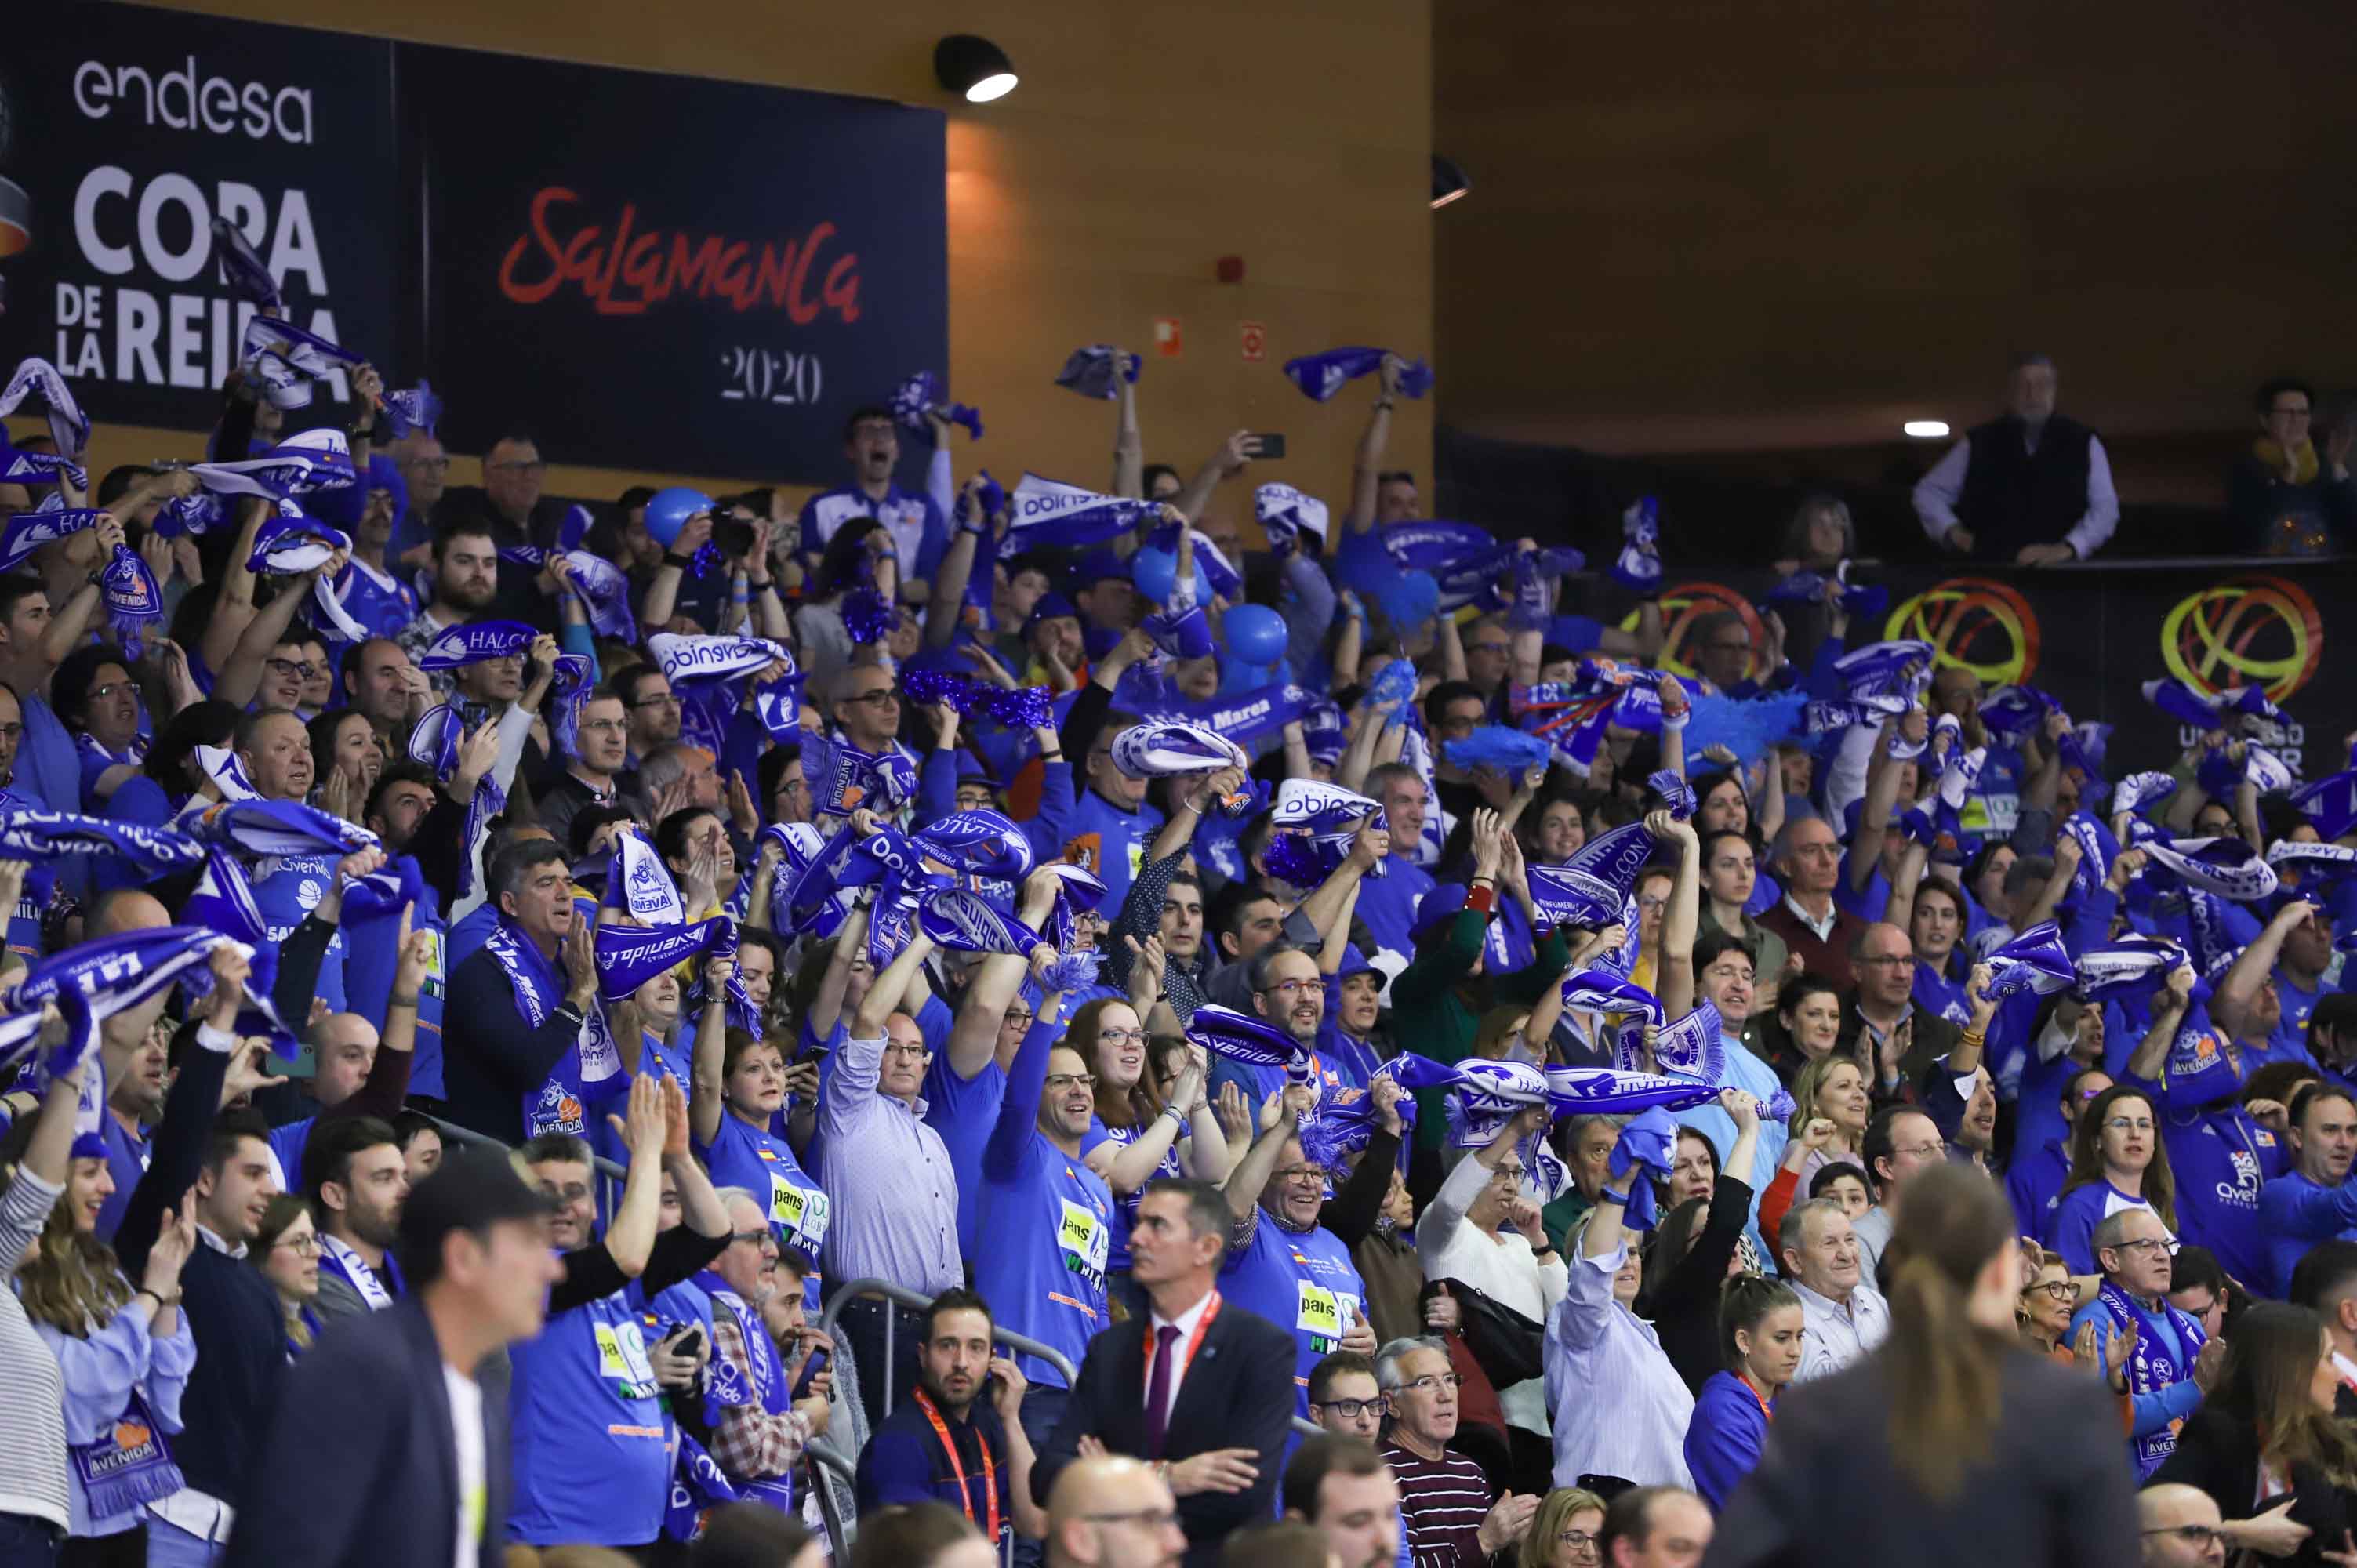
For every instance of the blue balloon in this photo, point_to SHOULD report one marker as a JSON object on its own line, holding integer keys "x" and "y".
{"x": 1255, "y": 633}
{"x": 668, "y": 511}
{"x": 1156, "y": 573}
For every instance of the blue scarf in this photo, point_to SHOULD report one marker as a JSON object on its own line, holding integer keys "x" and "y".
{"x": 630, "y": 956}
{"x": 472, "y": 642}
{"x": 1321, "y": 376}
{"x": 285, "y": 360}
{"x": 763, "y": 1382}
{"x": 921, "y": 393}
{"x": 2152, "y": 1368}
{"x": 69, "y": 425}
{"x": 242, "y": 270}
{"x": 1097, "y": 371}
{"x": 280, "y": 828}
{"x": 26, "y": 532}
{"x": 1638, "y": 567}
{"x": 965, "y": 921}
{"x": 412, "y": 411}
{"x": 38, "y": 836}
{"x": 538, "y": 983}
{"x": 1047, "y": 512}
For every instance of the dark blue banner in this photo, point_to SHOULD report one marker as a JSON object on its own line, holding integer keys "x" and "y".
{"x": 656, "y": 272}
{"x": 124, "y": 131}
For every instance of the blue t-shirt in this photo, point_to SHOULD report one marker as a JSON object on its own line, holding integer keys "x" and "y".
{"x": 1939, "y": 996}
{"x": 381, "y": 605}
{"x": 1049, "y": 1219}
{"x": 1305, "y": 1283}
{"x": 1111, "y": 843}
{"x": 2032, "y": 1184}
{"x": 286, "y": 888}
{"x": 1125, "y": 1209}
{"x": 1724, "y": 1439}
{"x": 590, "y": 1463}
{"x": 742, "y": 1154}
{"x": 1387, "y": 903}
{"x": 964, "y": 1111}
{"x": 2295, "y": 1213}
{"x": 2071, "y": 1230}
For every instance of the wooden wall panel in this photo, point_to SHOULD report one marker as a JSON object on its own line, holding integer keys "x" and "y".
{"x": 1147, "y": 140}
{"x": 1793, "y": 222}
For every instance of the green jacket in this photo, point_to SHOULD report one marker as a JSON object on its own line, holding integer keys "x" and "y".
{"x": 1437, "y": 1002}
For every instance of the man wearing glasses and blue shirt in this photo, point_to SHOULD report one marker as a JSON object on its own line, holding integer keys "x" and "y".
{"x": 2173, "y": 1363}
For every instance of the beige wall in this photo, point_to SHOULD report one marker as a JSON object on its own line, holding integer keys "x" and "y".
{"x": 1147, "y": 140}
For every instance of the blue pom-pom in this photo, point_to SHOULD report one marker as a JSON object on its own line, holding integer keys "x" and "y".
{"x": 1292, "y": 858}
{"x": 1029, "y": 707}
{"x": 1072, "y": 971}
{"x": 1747, "y": 727}
{"x": 926, "y": 687}
{"x": 1408, "y": 599}
{"x": 1496, "y": 747}
{"x": 866, "y": 616}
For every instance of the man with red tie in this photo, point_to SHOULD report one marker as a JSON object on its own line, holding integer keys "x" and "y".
{"x": 1217, "y": 1380}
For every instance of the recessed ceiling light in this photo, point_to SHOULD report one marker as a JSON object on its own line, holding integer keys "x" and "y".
{"x": 1926, "y": 429}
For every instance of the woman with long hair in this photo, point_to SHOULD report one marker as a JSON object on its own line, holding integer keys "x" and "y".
{"x": 1563, "y": 1532}
{"x": 2267, "y": 1434}
{"x": 286, "y": 1250}
{"x": 1137, "y": 1136}
{"x": 1759, "y": 1335}
{"x": 346, "y": 759}
{"x": 124, "y": 1352}
{"x": 2117, "y": 1161}
{"x": 1897, "y": 1458}
{"x": 1809, "y": 1016}
{"x": 1830, "y": 1088}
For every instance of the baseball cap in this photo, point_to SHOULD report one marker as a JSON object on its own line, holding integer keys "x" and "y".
{"x": 1435, "y": 907}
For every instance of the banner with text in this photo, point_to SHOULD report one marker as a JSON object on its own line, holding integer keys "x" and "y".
{"x": 659, "y": 272}
{"x": 124, "y": 131}
{"x": 2090, "y": 637}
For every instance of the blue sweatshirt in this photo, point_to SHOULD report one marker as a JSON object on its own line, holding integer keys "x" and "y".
{"x": 1724, "y": 1439}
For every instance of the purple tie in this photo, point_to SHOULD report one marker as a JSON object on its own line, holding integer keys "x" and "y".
{"x": 1157, "y": 1389}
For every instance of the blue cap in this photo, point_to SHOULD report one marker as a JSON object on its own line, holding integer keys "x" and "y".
{"x": 1435, "y": 907}
{"x": 1050, "y": 606}
{"x": 1354, "y": 962}
{"x": 1095, "y": 566}
{"x": 970, "y": 769}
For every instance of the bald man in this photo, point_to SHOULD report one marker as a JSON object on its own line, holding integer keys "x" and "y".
{"x": 351, "y": 1078}
{"x": 2180, "y": 1528}
{"x": 1113, "y": 1512}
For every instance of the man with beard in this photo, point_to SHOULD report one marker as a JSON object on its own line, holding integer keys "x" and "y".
{"x": 592, "y": 774}
{"x": 356, "y": 1180}
{"x": 1049, "y": 1216}
{"x": 382, "y": 684}
{"x": 1339, "y": 1485}
{"x": 466, "y": 581}
{"x": 948, "y": 1444}
{"x": 1282, "y": 1264}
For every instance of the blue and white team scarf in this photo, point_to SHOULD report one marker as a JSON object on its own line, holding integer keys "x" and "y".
{"x": 1591, "y": 887}
{"x": 1044, "y": 511}
{"x": 630, "y": 956}
{"x": 35, "y": 470}
{"x": 242, "y": 268}
{"x": 1248, "y": 1038}
{"x": 313, "y": 460}
{"x": 2313, "y": 864}
{"x": 704, "y": 672}
{"x": 843, "y": 778}
{"x": 1804, "y": 588}
{"x": 1327, "y": 816}
{"x": 2139, "y": 791}
{"x": 2330, "y": 804}
{"x": 603, "y": 592}
{"x": 1596, "y": 991}
{"x": 1097, "y": 371}
{"x": 287, "y": 546}
{"x": 2182, "y": 703}
{"x": 2128, "y": 964}
{"x": 1284, "y": 513}
{"x": 2034, "y": 960}
{"x": 286, "y": 360}
{"x": 982, "y": 844}
{"x": 2097, "y": 849}
{"x": 2011, "y": 713}
{"x": 965, "y": 921}
{"x": 1465, "y": 560}
{"x": 2151, "y": 1370}
{"x": 922, "y": 393}
{"x": 221, "y": 764}
{"x": 1638, "y": 567}
{"x": 1896, "y": 670}
{"x": 412, "y": 411}
{"x": 473, "y": 642}
{"x": 26, "y": 532}
{"x": 40, "y": 837}
{"x": 134, "y": 602}
{"x": 435, "y": 740}
{"x": 69, "y": 425}
{"x": 1166, "y": 748}
{"x": 1321, "y": 376}
{"x": 638, "y": 881}
{"x": 569, "y": 686}
{"x": 264, "y": 828}
{"x": 2224, "y": 868}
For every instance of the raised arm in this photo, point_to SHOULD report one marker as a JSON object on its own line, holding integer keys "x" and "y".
{"x": 630, "y": 1238}
{"x": 705, "y": 1107}
{"x": 1367, "y": 463}
{"x": 1128, "y": 444}
{"x": 974, "y": 1036}
{"x": 241, "y": 678}
{"x": 2170, "y": 1007}
{"x": 1680, "y": 920}
{"x": 883, "y": 997}
{"x": 2240, "y": 987}
{"x": 1226, "y": 463}
{"x": 1280, "y": 1116}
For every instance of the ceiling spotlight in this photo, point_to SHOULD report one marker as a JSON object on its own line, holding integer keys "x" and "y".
{"x": 974, "y": 67}
{"x": 1926, "y": 429}
{"x": 1449, "y": 180}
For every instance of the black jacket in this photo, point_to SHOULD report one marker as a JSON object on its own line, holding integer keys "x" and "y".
{"x": 1236, "y": 1393}
{"x": 491, "y": 1058}
{"x": 2218, "y": 1453}
{"x": 1827, "y": 1492}
{"x": 359, "y": 1466}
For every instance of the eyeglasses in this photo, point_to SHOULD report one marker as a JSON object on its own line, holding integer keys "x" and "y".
{"x": 1510, "y": 1173}
{"x": 519, "y": 466}
{"x": 2167, "y": 1244}
{"x": 1890, "y": 961}
{"x": 306, "y": 1246}
{"x": 1931, "y": 1150}
{"x": 877, "y": 698}
{"x": 10, "y": 732}
{"x": 616, "y": 725}
{"x": 2129, "y": 1124}
{"x": 1122, "y": 1037}
{"x": 1580, "y": 1542}
{"x": 1650, "y": 901}
{"x": 1289, "y": 987}
{"x": 2196, "y": 1536}
{"x": 1488, "y": 647}
{"x": 1432, "y": 1382}
{"x": 301, "y": 669}
{"x": 2056, "y": 1290}
{"x": 895, "y": 1048}
{"x": 750, "y": 1237}
{"x": 100, "y": 694}
{"x": 668, "y": 700}
{"x": 1302, "y": 1173}
{"x": 1152, "y": 1519}
{"x": 1015, "y": 1018}
{"x": 427, "y": 465}
{"x": 1349, "y": 1409}
{"x": 1059, "y": 1082}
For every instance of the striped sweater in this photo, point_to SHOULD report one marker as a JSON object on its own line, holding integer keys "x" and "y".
{"x": 1442, "y": 1504}
{"x": 33, "y": 1416}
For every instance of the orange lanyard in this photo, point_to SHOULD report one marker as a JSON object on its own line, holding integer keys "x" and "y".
{"x": 1187, "y": 1357}
{"x": 990, "y": 1465}
{"x": 1767, "y": 1411}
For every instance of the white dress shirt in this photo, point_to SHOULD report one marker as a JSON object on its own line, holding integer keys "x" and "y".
{"x": 1834, "y": 1336}
{"x": 1937, "y": 492}
{"x": 1185, "y": 1323}
{"x": 1621, "y": 1409}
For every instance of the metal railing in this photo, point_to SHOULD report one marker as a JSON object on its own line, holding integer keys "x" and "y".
{"x": 903, "y": 1296}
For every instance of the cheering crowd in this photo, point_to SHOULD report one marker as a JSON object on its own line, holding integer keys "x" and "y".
{"x": 1419, "y": 1076}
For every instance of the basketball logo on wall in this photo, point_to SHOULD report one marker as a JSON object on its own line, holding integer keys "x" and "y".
{"x": 2246, "y": 631}
{"x": 1973, "y": 624}
{"x": 1688, "y": 603}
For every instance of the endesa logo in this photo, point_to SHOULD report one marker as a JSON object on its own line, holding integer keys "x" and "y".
{"x": 1687, "y": 603}
{"x": 1972, "y": 623}
{"x": 2246, "y": 631}
{"x": 623, "y": 275}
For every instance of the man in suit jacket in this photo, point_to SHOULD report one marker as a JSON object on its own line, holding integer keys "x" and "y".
{"x": 383, "y": 1451}
{"x": 2325, "y": 1284}
{"x": 1218, "y": 1385}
